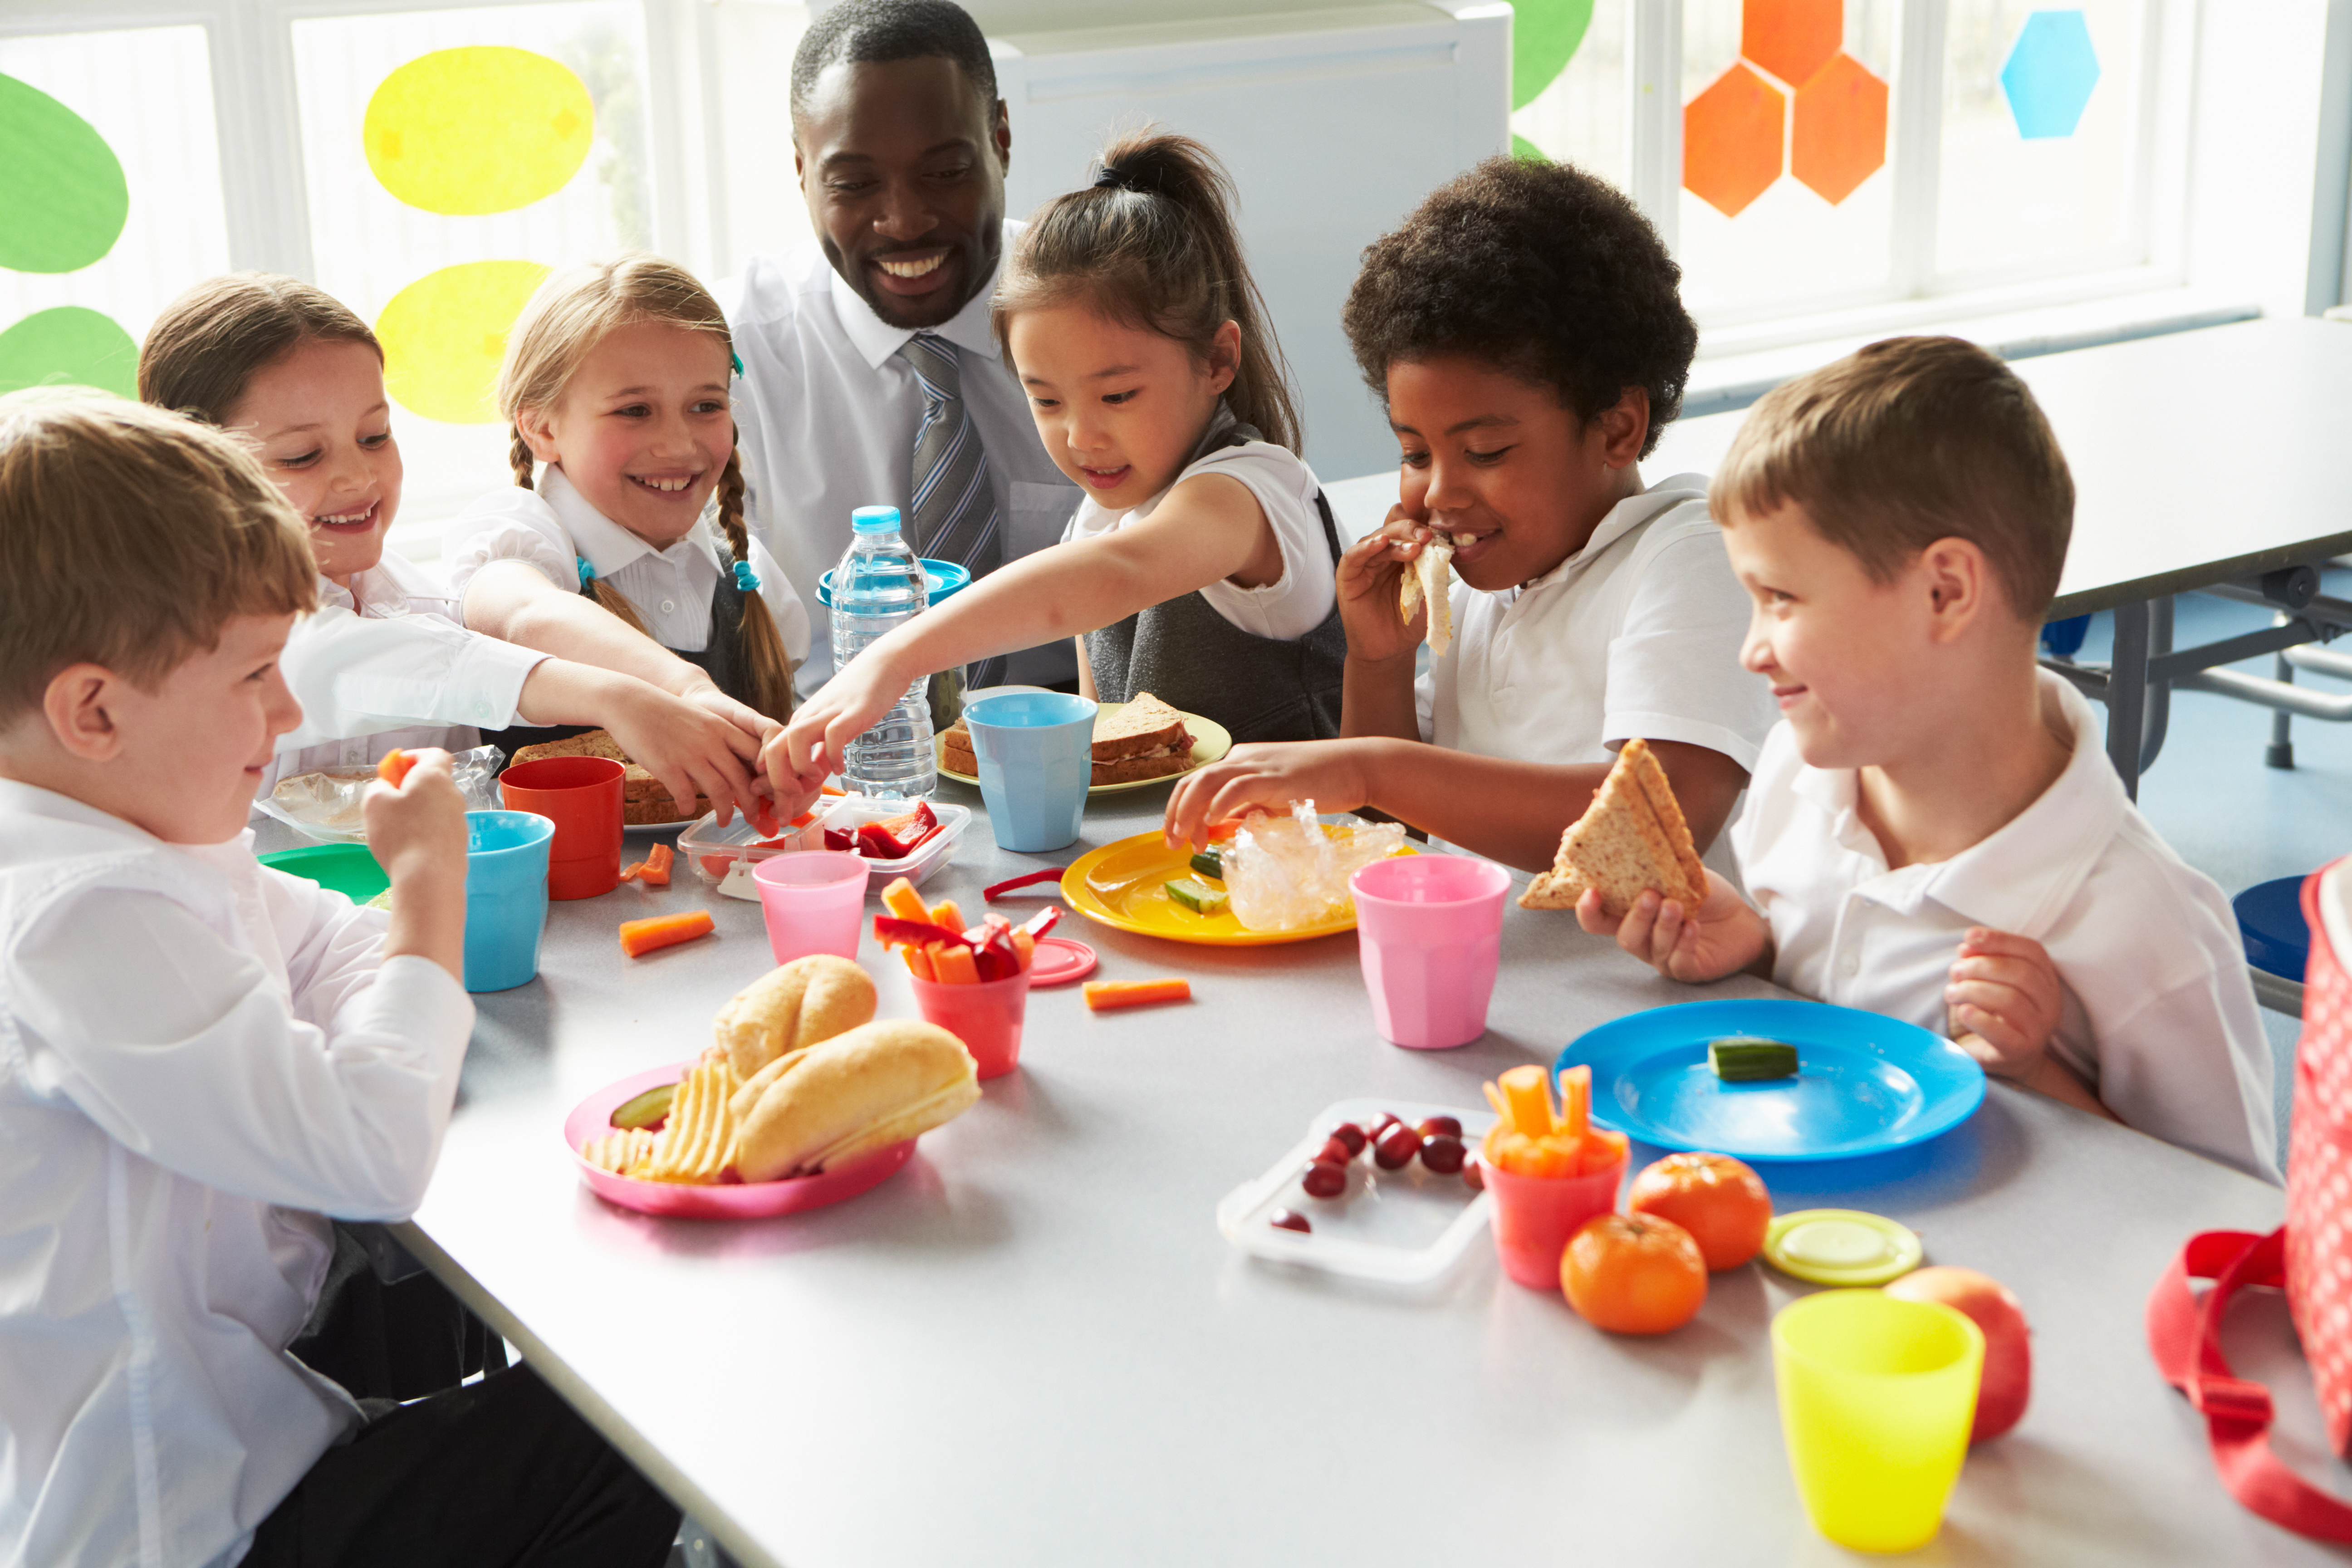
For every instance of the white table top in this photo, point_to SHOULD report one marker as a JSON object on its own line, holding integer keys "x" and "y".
{"x": 1032, "y": 1346}
{"x": 2198, "y": 457}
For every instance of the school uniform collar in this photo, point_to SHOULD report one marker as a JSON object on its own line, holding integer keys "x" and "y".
{"x": 604, "y": 544}
{"x": 1622, "y": 519}
{"x": 2022, "y": 877}
{"x": 876, "y": 340}
{"x": 376, "y": 592}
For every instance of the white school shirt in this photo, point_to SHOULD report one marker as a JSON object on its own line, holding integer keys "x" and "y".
{"x": 1637, "y": 635}
{"x": 1295, "y": 603}
{"x": 167, "y": 1148}
{"x": 2158, "y": 1013}
{"x": 388, "y": 664}
{"x": 554, "y": 528}
{"x": 825, "y": 413}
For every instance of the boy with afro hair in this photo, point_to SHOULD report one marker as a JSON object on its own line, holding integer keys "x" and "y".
{"x": 1524, "y": 332}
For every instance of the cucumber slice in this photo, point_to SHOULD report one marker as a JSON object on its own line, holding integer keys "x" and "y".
{"x": 1209, "y": 864}
{"x": 1746, "y": 1058}
{"x": 1196, "y": 898}
{"x": 645, "y": 1109}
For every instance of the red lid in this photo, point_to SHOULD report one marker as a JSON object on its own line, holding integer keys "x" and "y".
{"x": 1059, "y": 960}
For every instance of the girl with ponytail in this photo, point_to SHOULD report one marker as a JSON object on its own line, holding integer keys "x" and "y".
{"x": 1199, "y": 567}
{"x": 627, "y": 502}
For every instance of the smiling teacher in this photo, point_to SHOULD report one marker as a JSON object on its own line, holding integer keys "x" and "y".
{"x": 870, "y": 376}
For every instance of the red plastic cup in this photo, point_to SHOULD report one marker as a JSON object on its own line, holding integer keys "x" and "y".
{"x": 986, "y": 1017}
{"x": 581, "y": 795}
{"x": 1429, "y": 929}
{"x": 1535, "y": 1216}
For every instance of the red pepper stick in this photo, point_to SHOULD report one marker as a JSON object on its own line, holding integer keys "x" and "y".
{"x": 1051, "y": 874}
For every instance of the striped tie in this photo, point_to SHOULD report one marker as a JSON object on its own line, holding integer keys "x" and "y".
{"x": 954, "y": 506}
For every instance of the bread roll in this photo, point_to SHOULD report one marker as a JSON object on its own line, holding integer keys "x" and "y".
{"x": 852, "y": 1094}
{"x": 791, "y": 1008}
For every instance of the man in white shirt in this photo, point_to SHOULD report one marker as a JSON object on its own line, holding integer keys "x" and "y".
{"x": 870, "y": 373}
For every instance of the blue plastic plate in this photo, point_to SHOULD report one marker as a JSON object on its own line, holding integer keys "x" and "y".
{"x": 940, "y": 579}
{"x": 1865, "y": 1083}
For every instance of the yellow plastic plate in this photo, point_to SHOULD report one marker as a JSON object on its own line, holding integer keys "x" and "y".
{"x": 1125, "y": 886}
{"x": 1211, "y": 741}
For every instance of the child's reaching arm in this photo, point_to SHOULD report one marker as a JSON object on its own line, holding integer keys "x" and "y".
{"x": 1208, "y": 527}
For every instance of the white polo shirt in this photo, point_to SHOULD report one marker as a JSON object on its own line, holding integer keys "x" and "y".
{"x": 1636, "y": 635}
{"x": 826, "y": 414}
{"x": 2158, "y": 1013}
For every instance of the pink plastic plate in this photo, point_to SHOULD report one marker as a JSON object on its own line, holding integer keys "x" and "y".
{"x": 592, "y": 1117}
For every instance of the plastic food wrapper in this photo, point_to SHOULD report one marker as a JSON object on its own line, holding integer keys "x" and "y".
{"x": 1283, "y": 873}
{"x": 326, "y": 805}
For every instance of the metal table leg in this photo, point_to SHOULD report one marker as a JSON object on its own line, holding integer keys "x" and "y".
{"x": 2127, "y": 692}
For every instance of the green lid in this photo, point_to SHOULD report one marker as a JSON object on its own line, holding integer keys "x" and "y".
{"x": 345, "y": 868}
{"x": 1840, "y": 1247}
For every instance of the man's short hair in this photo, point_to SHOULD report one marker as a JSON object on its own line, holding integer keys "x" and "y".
{"x": 1543, "y": 270}
{"x": 128, "y": 537}
{"x": 1906, "y": 442}
{"x": 869, "y": 32}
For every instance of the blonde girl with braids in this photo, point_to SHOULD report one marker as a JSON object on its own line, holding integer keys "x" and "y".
{"x": 1198, "y": 566}
{"x": 626, "y": 509}
{"x": 391, "y": 659}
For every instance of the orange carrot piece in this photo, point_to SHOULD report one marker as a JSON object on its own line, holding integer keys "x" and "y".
{"x": 1523, "y": 1091}
{"x": 395, "y": 766}
{"x": 952, "y": 964}
{"x": 833, "y": 789}
{"x": 641, "y": 937}
{"x": 919, "y": 962}
{"x": 655, "y": 869}
{"x": 1024, "y": 946}
{"x": 945, "y": 914}
{"x": 633, "y": 870}
{"x": 1105, "y": 993}
{"x": 1576, "y": 1099}
{"x": 1602, "y": 1149}
{"x": 901, "y": 899}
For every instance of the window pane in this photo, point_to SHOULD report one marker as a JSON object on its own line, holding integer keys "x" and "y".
{"x": 1787, "y": 179}
{"x": 503, "y": 139}
{"x": 2041, "y": 134}
{"x": 144, "y": 99}
{"x": 1579, "y": 116}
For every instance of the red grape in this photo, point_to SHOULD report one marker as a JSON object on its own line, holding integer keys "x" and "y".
{"x": 1379, "y": 1130}
{"x": 1396, "y": 1147}
{"x": 1442, "y": 1153}
{"x": 1434, "y": 1125}
{"x": 1284, "y": 1219}
{"x": 1352, "y": 1136}
{"x": 1334, "y": 1149}
{"x": 1325, "y": 1179}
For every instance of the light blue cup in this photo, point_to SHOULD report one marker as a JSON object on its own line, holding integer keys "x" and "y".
{"x": 1036, "y": 756}
{"x": 506, "y": 896}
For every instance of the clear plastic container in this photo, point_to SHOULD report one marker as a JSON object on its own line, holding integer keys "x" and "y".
{"x": 1407, "y": 1227}
{"x": 877, "y": 587}
{"x": 723, "y": 857}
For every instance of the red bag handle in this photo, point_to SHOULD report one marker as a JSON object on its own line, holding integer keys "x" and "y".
{"x": 2184, "y": 1335}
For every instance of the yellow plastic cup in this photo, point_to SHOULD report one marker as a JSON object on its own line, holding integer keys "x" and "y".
{"x": 1876, "y": 1396}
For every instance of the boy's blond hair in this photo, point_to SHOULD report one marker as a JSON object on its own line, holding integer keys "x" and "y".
{"x": 1903, "y": 443}
{"x": 128, "y": 536}
{"x": 563, "y": 320}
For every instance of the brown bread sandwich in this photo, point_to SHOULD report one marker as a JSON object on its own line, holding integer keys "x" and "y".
{"x": 1632, "y": 837}
{"x": 643, "y": 800}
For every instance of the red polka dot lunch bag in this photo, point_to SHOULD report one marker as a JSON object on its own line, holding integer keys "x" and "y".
{"x": 2311, "y": 1256}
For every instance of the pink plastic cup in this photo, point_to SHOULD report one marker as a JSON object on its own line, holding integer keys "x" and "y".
{"x": 986, "y": 1017}
{"x": 1535, "y": 1216}
{"x": 581, "y": 795}
{"x": 813, "y": 901}
{"x": 1429, "y": 929}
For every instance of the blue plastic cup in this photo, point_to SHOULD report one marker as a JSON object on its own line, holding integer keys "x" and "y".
{"x": 1036, "y": 756}
{"x": 506, "y": 896}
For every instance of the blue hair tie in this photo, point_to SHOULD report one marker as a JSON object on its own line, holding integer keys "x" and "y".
{"x": 737, "y": 359}
{"x": 587, "y": 572}
{"x": 746, "y": 580}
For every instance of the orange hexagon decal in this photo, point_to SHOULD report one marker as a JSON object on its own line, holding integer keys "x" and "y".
{"x": 1839, "y": 138}
{"x": 1791, "y": 38}
{"x": 1731, "y": 140}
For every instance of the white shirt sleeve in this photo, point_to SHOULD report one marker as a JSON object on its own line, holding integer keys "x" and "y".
{"x": 1295, "y": 603}
{"x": 357, "y": 675}
{"x": 334, "y": 1100}
{"x": 510, "y": 524}
{"x": 782, "y": 599}
{"x": 2184, "y": 1068}
{"x": 1673, "y": 670}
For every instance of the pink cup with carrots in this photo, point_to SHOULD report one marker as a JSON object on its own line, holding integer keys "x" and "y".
{"x": 974, "y": 983}
{"x": 1548, "y": 1168}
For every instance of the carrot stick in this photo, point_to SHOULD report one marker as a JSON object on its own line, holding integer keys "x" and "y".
{"x": 395, "y": 766}
{"x": 945, "y": 913}
{"x": 1105, "y": 993}
{"x": 953, "y": 965}
{"x": 633, "y": 870}
{"x": 641, "y": 937}
{"x": 1576, "y": 1099}
{"x": 919, "y": 962}
{"x": 901, "y": 899}
{"x": 1024, "y": 946}
{"x": 655, "y": 866}
{"x": 1523, "y": 1088}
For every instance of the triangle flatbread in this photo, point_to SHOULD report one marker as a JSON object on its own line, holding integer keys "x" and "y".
{"x": 1426, "y": 579}
{"x": 1633, "y": 836}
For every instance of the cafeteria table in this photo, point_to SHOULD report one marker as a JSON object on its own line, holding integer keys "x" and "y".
{"x": 1032, "y": 1346}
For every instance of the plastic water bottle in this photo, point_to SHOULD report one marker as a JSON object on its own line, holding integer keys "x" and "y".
{"x": 879, "y": 585}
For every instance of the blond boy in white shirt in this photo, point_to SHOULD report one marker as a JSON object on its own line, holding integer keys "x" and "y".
{"x": 200, "y": 1057}
{"x": 1933, "y": 831}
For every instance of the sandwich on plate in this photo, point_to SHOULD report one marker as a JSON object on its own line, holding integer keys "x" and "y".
{"x": 1145, "y": 739}
{"x": 1632, "y": 837}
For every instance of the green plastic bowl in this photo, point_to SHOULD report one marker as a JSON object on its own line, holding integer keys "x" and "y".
{"x": 345, "y": 868}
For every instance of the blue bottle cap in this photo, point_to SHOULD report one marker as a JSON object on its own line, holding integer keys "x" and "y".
{"x": 875, "y": 520}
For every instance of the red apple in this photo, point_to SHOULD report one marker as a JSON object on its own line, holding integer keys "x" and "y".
{"x": 2008, "y": 1378}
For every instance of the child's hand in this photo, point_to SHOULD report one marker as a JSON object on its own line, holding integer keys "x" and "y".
{"x": 706, "y": 696}
{"x": 794, "y": 795}
{"x": 1722, "y": 936}
{"x": 691, "y": 749}
{"x": 844, "y": 707}
{"x": 1370, "y": 574}
{"x": 2005, "y": 997}
{"x": 1328, "y": 773}
{"x": 416, "y": 831}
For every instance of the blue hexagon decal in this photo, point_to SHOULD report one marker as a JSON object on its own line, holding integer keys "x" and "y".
{"x": 2051, "y": 71}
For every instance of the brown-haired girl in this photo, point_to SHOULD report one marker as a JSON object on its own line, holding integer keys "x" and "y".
{"x": 1199, "y": 567}
{"x": 387, "y": 661}
{"x": 616, "y": 379}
